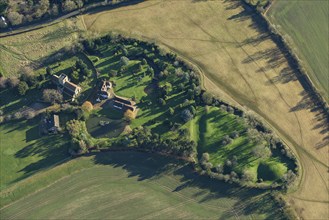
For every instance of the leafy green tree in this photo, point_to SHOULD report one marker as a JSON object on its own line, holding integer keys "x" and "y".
{"x": 186, "y": 115}
{"x": 124, "y": 61}
{"x": 261, "y": 151}
{"x": 22, "y": 88}
{"x": 15, "y": 18}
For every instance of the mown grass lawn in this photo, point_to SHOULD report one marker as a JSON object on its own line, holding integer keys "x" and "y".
{"x": 24, "y": 152}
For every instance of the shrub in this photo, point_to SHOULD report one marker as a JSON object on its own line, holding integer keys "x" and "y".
{"x": 124, "y": 61}
{"x": 129, "y": 115}
{"x": 8, "y": 117}
{"x": 205, "y": 157}
{"x": 226, "y": 140}
{"x": 113, "y": 73}
{"x": 261, "y": 151}
{"x": 234, "y": 134}
{"x": 87, "y": 106}
{"x": 219, "y": 168}
{"x": 17, "y": 115}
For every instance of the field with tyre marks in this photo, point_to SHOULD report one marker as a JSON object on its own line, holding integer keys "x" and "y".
{"x": 305, "y": 25}
{"x": 138, "y": 186}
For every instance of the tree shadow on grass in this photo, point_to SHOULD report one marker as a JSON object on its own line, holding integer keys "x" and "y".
{"x": 147, "y": 166}
{"x": 52, "y": 150}
{"x": 46, "y": 150}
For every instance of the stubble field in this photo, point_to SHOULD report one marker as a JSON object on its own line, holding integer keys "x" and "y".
{"x": 305, "y": 25}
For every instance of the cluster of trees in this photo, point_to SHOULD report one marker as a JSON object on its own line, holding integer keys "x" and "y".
{"x": 143, "y": 138}
{"x": 187, "y": 83}
{"x": 27, "y": 80}
{"x": 80, "y": 71}
{"x": 52, "y": 95}
{"x": 21, "y": 11}
{"x": 26, "y": 114}
{"x": 81, "y": 141}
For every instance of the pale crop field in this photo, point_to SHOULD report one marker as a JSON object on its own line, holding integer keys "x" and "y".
{"x": 238, "y": 59}
{"x": 135, "y": 186}
{"x": 305, "y": 25}
{"x": 28, "y": 48}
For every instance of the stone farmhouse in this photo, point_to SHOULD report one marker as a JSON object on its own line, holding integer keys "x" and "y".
{"x": 65, "y": 86}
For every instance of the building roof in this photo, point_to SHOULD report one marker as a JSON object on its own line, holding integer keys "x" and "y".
{"x": 68, "y": 92}
{"x": 124, "y": 100}
{"x": 62, "y": 76}
{"x": 56, "y": 121}
{"x": 124, "y": 106}
{"x": 71, "y": 86}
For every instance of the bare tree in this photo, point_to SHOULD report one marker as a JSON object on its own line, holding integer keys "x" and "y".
{"x": 52, "y": 96}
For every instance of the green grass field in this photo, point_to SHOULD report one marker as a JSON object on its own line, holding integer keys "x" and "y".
{"x": 135, "y": 186}
{"x": 306, "y": 24}
{"x": 24, "y": 152}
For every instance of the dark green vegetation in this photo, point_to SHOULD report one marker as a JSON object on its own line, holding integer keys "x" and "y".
{"x": 305, "y": 25}
{"x": 136, "y": 185}
{"x": 173, "y": 116}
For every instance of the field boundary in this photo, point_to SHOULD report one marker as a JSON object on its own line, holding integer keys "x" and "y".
{"x": 293, "y": 59}
{"x": 41, "y": 24}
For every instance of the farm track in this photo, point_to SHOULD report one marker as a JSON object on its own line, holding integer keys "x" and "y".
{"x": 227, "y": 53}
